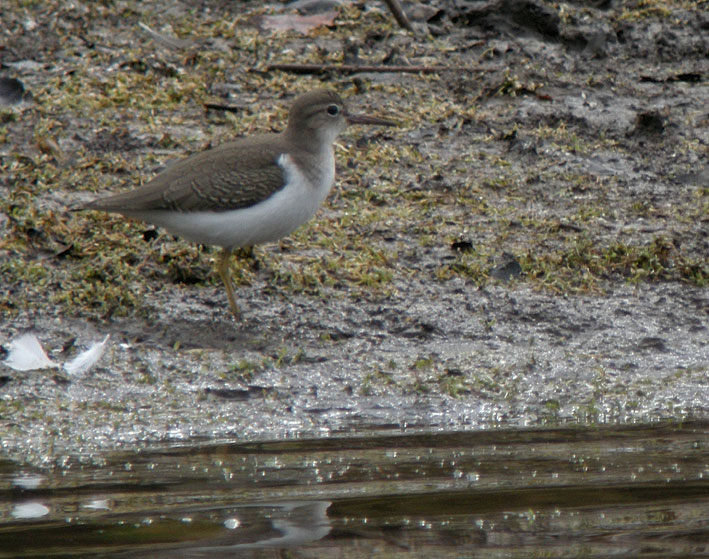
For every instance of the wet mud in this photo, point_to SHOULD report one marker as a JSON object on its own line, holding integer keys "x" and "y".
{"x": 529, "y": 248}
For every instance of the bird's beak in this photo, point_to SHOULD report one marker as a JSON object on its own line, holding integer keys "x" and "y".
{"x": 364, "y": 119}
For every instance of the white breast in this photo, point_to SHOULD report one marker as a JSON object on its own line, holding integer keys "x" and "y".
{"x": 275, "y": 217}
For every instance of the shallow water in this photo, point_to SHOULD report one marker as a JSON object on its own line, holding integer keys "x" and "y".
{"x": 638, "y": 491}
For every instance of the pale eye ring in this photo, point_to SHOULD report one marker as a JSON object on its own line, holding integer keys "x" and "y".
{"x": 333, "y": 110}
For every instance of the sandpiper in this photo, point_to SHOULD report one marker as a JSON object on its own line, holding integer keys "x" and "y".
{"x": 249, "y": 191}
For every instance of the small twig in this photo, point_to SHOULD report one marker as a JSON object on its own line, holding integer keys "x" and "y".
{"x": 399, "y": 14}
{"x": 222, "y": 107}
{"x": 355, "y": 68}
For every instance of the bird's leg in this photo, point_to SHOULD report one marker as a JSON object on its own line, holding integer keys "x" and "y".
{"x": 223, "y": 269}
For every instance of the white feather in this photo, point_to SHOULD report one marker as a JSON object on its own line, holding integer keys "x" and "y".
{"x": 86, "y": 359}
{"x": 26, "y": 354}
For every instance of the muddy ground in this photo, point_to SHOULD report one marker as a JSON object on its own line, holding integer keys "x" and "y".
{"x": 528, "y": 247}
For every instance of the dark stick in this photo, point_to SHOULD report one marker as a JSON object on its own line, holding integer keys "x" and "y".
{"x": 399, "y": 14}
{"x": 354, "y": 68}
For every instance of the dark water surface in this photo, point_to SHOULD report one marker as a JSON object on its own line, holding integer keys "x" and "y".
{"x": 638, "y": 491}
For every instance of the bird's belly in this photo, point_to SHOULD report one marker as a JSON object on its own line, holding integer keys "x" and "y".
{"x": 269, "y": 220}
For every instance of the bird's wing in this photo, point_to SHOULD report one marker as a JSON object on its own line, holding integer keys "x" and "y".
{"x": 229, "y": 177}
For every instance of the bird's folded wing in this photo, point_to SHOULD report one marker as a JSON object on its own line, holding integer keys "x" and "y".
{"x": 224, "y": 178}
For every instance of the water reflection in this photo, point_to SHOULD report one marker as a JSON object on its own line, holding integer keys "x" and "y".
{"x": 24, "y": 480}
{"x": 286, "y": 525}
{"x": 627, "y": 491}
{"x": 30, "y": 509}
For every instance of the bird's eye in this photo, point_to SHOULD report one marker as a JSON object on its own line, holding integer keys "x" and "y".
{"x": 333, "y": 110}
